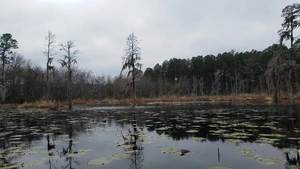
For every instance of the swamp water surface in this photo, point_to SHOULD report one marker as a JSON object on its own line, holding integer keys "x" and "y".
{"x": 178, "y": 137}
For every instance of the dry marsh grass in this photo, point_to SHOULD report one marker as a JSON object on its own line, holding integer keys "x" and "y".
{"x": 242, "y": 99}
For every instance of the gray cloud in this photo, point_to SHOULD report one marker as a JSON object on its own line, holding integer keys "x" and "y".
{"x": 166, "y": 28}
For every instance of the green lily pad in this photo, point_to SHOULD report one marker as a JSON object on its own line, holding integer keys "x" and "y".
{"x": 192, "y": 131}
{"x": 101, "y": 161}
{"x": 107, "y": 160}
{"x": 247, "y": 153}
{"x": 171, "y": 150}
{"x": 199, "y": 139}
{"x": 233, "y": 141}
{"x": 168, "y": 150}
{"x": 267, "y": 161}
{"x": 218, "y": 167}
{"x": 118, "y": 156}
{"x": 31, "y": 164}
{"x": 9, "y": 166}
{"x": 78, "y": 153}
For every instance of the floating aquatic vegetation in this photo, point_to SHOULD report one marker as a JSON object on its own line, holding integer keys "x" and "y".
{"x": 78, "y": 153}
{"x": 258, "y": 158}
{"x": 247, "y": 153}
{"x": 107, "y": 160}
{"x": 266, "y": 140}
{"x": 218, "y": 167}
{"x": 293, "y": 167}
{"x": 9, "y": 166}
{"x": 121, "y": 155}
{"x": 192, "y": 131}
{"x": 197, "y": 121}
{"x": 168, "y": 150}
{"x": 101, "y": 161}
{"x": 28, "y": 164}
{"x": 233, "y": 141}
{"x": 149, "y": 125}
{"x": 180, "y": 127}
{"x": 31, "y": 164}
{"x": 5, "y": 133}
{"x": 267, "y": 160}
{"x": 172, "y": 150}
{"x": 125, "y": 145}
{"x": 272, "y": 135}
{"x": 213, "y": 126}
{"x": 218, "y": 131}
{"x": 199, "y": 139}
{"x": 294, "y": 138}
{"x": 296, "y": 130}
{"x": 163, "y": 128}
{"x": 237, "y": 135}
{"x": 289, "y": 150}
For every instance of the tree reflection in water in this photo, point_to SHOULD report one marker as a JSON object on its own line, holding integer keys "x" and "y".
{"x": 50, "y": 148}
{"x": 134, "y": 140}
{"x": 69, "y": 152}
{"x": 292, "y": 161}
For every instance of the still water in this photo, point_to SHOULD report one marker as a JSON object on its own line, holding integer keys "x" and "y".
{"x": 174, "y": 137}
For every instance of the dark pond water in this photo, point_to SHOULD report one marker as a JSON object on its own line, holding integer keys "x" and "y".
{"x": 178, "y": 137}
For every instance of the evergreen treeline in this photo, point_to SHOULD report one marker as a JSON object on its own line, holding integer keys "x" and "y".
{"x": 226, "y": 73}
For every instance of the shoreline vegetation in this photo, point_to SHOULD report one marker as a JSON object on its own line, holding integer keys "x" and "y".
{"x": 270, "y": 76}
{"x": 241, "y": 99}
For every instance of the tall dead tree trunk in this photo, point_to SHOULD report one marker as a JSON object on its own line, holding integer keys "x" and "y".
{"x": 49, "y": 54}
{"x": 68, "y": 62}
{"x": 131, "y": 62}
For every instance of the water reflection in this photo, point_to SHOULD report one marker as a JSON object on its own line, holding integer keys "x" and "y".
{"x": 135, "y": 139}
{"x": 293, "y": 160}
{"x": 22, "y": 132}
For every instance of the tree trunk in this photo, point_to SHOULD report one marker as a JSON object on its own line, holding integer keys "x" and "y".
{"x": 70, "y": 89}
{"x": 48, "y": 85}
{"x": 3, "y": 87}
{"x": 291, "y": 82}
{"x": 133, "y": 88}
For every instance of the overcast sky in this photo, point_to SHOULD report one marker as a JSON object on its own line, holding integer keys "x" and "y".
{"x": 165, "y": 28}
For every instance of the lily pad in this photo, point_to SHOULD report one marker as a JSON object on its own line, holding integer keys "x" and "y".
{"x": 107, "y": 160}
{"x": 31, "y": 164}
{"x": 9, "y": 166}
{"x": 199, "y": 139}
{"x": 218, "y": 167}
{"x": 192, "y": 131}
{"x": 247, "y": 153}
{"x": 267, "y": 161}
{"x": 172, "y": 150}
{"x": 101, "y": 161}
{"x": 168, "y": 150}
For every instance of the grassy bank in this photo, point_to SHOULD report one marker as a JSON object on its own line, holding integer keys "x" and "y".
{"x": 243, "y": 99}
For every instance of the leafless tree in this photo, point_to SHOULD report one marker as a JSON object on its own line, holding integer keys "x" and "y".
{"x": 131, "y": 61}
{"x": 50, "y": 38}
{"x": 68, "y": 62}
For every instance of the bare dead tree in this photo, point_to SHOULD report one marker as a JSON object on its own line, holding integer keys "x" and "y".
{"x": 68, "y": 62}
{"x": 50, "y": 38}
{"x": 131, "y": 61}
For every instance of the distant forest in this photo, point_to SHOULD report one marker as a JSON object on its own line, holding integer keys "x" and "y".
{"x": 272, "y": 71}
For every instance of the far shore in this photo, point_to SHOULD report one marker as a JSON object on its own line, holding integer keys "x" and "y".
{"x": 242, "y": 99}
